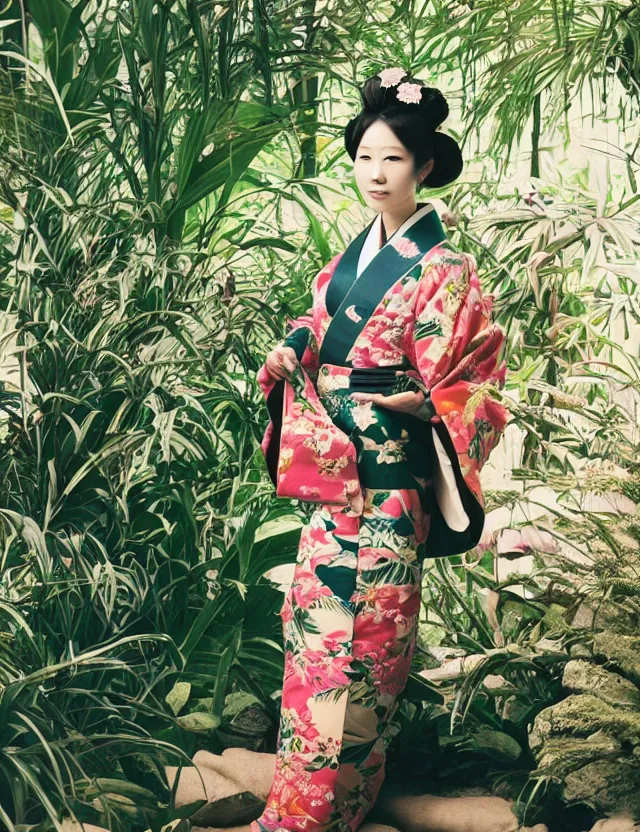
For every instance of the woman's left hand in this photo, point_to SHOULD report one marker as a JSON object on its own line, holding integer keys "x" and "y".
{"x": 408, "y": 402}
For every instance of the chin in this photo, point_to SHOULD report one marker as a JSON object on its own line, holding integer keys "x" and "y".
{"x": 379, "y": 205}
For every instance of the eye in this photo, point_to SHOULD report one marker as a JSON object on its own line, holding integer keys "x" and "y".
{"x": 363, "y": 156}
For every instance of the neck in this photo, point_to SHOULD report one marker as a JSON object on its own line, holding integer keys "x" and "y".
{"x": 393, "y": 219}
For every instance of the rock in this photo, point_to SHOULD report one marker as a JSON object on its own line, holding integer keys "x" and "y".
{"x": 497, "y": 745}
{"x": 619, "y": 823}
{"x": 498, "y": 685}
{"x": 237, "y": 808}
{"x": 586, "y": 677}
{"x": 236, "y": 785}
{"x": 377, "y": 827}
{"x": 584, "y": 616}
{"x": 614, "y": 618}
{"x": 237, "y": 777}
{"x": 609, "y": 785}
{"x": 515, "y": 709}
{"x": 583, "y": 715}
{"x": 624, "y": 651}
{"x": 590, "y": 745}
{"x": 561, "y": 755}
{"x": 424, "y": 813}
{"x": 244, "y": 721}
{"x": 578, "y": 650}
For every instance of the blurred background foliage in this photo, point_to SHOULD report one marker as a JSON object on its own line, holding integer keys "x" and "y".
{"x": 172, "y": 175}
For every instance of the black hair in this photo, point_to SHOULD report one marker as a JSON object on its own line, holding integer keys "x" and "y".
{"x": 415, "y": 124}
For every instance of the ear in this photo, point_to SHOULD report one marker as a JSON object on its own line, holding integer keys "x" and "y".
{"x": 426, "y": 170}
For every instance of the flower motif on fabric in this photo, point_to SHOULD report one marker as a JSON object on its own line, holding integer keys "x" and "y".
{"x": 320, "y": 441}
{"x": 332, "y": 467}
{"x": 363, "y": 415}
{"x": 328, "y": 381}
{"x": 388, "y": 452}
{"x": 390, "y": 77}
{"x": 427, "y": 328}
{"x": 352, "y": 488}
{"x": 351, "y": 313}
{"x": 286, "y": 458}
{"x": 405, "y": 247}
{"x": 409, "y": 93}
{"x": 485, "y": 439}
{"x": 310, "y": 491}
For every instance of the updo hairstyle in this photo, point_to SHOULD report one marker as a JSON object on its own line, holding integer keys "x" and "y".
{"x": 414, "y": 124}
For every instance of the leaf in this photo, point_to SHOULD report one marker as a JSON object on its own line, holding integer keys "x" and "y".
{"x": 222, "y": 676}
{"x": 496, "y": 744}
{"x": 226, "y": 164}
{"x": 46, "y": 77}
{"x": 319, "y": 237}
{"x": 178, "y": 696}
{"x": 268, "y": 242}
{"x": 122, "y": 788}
{"x": 199, "y": 721}
{"x": 236, "y": 703}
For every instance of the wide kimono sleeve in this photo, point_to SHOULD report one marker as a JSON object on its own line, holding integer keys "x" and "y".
{"x": 456, "y": 348}
{"x": 307, "y": 456}
{"x": 298, "y": 338}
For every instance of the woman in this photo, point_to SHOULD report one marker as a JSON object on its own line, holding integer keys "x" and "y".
{"x": 384, "y": 407}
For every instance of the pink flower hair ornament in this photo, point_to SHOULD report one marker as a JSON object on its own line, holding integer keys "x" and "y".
{"x": 392, "y": 76}
{"x": 407, "y": 92}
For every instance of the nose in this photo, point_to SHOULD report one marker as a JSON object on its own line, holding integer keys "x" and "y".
{"x": 376, "y": 173}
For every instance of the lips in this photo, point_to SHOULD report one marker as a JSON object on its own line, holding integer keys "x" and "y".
{"x": 379, "y": 193}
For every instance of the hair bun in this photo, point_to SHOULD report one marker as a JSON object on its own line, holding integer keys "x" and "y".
{"x": 433, "y": 106}
{"x": 415, "y": 123}
{"x": 376, "y": 99}
{"x": 448, "y": 162}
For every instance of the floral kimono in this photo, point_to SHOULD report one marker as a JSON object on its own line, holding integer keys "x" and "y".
{"x": 408, "y": 315}
{"x": 391, "y": 488}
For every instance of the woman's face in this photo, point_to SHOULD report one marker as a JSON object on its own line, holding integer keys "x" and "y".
{"x": 383, "y": 163}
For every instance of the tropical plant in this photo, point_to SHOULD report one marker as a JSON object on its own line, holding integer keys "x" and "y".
{"x": 151, "y": 153}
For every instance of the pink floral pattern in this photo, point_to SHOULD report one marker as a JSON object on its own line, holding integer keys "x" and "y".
{"x": 350, "y": 615}
{"x": 437, "y": 317}
{"x": 348, "y": 653}
{"x": 404, "y": 247}
{"x": 317, "y": 461}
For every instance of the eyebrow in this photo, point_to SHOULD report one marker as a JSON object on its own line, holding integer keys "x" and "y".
{"x": 388, "y": 147}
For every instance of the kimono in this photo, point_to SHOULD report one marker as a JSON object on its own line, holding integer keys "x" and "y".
{"x": 413, "y": 311}
{"x": 391, "y": 490}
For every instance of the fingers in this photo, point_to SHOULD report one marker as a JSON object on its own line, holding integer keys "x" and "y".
{"x": 376, "y": 398}
{"x": 408, "y": 402}
{"x": 281, "y": 362}
{"x": 288, "y": 362}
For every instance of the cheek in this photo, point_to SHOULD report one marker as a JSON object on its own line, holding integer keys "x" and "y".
{"x": 404, "y": 175}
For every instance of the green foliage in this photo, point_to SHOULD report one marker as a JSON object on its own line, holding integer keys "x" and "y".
{"x": 151, "y": 153}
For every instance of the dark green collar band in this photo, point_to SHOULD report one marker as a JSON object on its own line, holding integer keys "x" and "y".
{"x": 394, "y": 260}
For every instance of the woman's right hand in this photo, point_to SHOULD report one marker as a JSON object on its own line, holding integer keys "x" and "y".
{"x": 281, "y": 362}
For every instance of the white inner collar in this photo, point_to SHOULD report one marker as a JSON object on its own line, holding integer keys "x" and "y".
{"x": 371, "y": 245}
